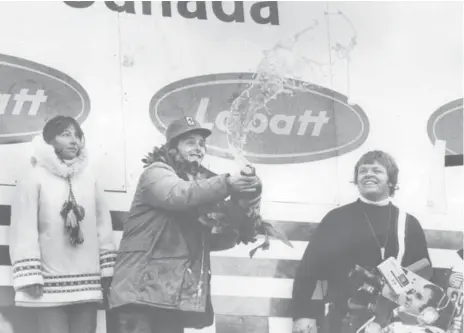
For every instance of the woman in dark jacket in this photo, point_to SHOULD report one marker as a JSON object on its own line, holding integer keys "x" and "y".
{"x": 162, "y": 274}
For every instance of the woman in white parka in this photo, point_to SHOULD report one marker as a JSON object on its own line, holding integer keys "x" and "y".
{"x": 61, "y": 243}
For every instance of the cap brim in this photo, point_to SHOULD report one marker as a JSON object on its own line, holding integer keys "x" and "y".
{"x": 204, "y": 132}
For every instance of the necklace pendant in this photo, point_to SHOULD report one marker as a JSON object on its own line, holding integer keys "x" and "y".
{"x": 382, "y": 253}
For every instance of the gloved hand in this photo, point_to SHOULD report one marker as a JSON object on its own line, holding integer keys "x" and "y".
{"x": 34, "y": 290}
{"x": 223, "y": 238}
{"x": 106, "y": 286}
{"x": 106, "y": 283}
{"x": 236, "y": 217}
{"x": 304, "y": 325}
{"x": 366, "y": 287}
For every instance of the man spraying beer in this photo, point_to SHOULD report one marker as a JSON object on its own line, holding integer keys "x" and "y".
{"x": 162, "y": 273}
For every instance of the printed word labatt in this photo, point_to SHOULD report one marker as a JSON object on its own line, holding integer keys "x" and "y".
{"x": 249, "y": 295}
{"x": 299, "y": 126}
{"x": 18, "y": 100}
{"x": 30, "y": 93}
{"x": 279, "y": 124}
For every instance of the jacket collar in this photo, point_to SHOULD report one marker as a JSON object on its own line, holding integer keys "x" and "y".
{"x": 375, "y": 203}
{"x": 44, "y": 155}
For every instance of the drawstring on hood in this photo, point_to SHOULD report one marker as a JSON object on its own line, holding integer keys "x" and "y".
{"x": 73, "y": 214}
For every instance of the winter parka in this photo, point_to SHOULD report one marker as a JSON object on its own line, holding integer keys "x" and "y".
{"x": 40, "y": 250}
{"x": 164, "y": 255}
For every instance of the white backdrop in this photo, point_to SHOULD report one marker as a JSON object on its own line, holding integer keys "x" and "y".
{"x": 406, "y": 64}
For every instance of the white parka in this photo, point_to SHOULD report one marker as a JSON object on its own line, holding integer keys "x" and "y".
{"x": 40, "y": 250}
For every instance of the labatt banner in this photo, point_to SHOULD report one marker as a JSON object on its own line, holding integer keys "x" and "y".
{"x": 323, "y": 92}
{"x": 298, "y": 89}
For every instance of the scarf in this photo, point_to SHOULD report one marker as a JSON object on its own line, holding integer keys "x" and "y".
{"x": 72, "y": 213}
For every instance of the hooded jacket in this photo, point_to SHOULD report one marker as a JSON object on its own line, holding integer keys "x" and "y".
{"x": 164, "y": 255}
{"x": 40, "y": 250}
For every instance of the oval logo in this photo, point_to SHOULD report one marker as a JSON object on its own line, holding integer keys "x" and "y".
{"x": 31, "y": 94}
{"x": 446, "y": 124}
{"x": 308, "y": 123}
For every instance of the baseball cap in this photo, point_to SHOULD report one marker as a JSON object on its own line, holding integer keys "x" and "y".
{"x": 185, "y": 125}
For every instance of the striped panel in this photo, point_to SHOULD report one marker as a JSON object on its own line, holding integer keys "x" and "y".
{"x": 301, "y": 231}
{"x": 246, "y": 324}
{"x": 249, "y": 295}
{"x": 454, "y": 160}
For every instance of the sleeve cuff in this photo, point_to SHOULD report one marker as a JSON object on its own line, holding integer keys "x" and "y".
{"x": 107, "y": 261}
{"x": 27, "y": 272}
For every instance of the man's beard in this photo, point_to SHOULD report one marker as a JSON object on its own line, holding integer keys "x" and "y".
{"x": 193, "y": 167}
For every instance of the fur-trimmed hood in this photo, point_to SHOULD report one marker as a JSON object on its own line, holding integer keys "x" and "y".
{"x": 44, "y": 155}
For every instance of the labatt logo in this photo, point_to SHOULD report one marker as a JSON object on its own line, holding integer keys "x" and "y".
{"x": 309, "y": 125}
{"x": 446, "y": 124}
{"x": 30, "y": 94}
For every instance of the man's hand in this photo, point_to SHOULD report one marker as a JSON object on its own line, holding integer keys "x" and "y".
{"x": 304, "y": 325}
{"x": 106, "y": 283}
{"x": 240, "y": 183}
{"x": 373, "y": 328}
{"x": 34, "y": 290}
{"x": 223, "y": 238}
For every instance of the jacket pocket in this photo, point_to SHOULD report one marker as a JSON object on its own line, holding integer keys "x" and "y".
{"x": 162, "y": 280}
{"x": 124, "y": 287}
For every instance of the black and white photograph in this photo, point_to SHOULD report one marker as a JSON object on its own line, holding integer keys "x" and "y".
{"x": 231, "y": 166}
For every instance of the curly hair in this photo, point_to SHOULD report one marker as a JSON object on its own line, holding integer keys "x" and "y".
{"x": 169, "y": 155}
{"x": 386, "y": 161}
{"x": 437, "y": 295}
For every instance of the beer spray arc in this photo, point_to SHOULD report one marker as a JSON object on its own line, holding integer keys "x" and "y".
{"x": 268, "y": 83}
{"x": 274, "y": 76}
